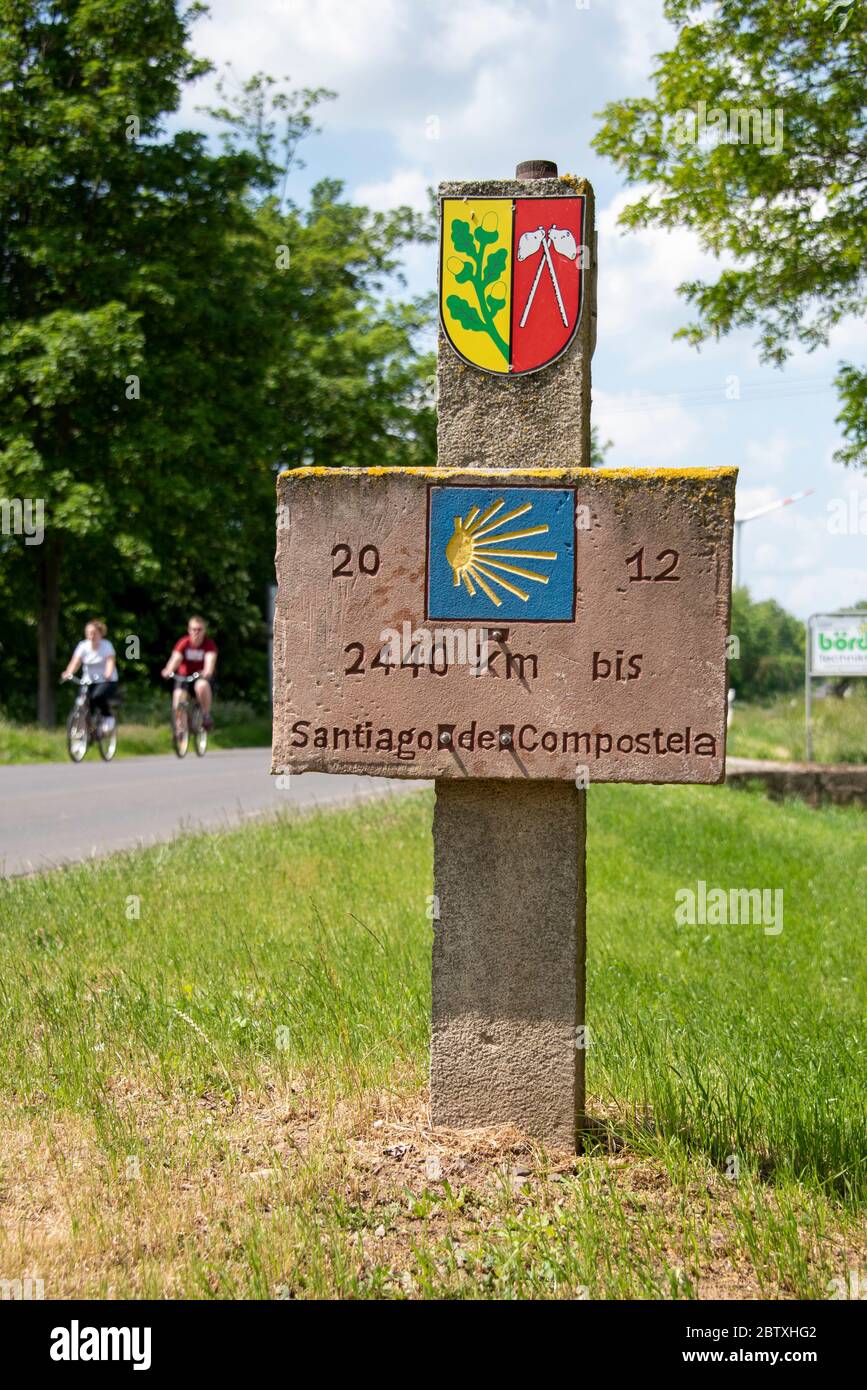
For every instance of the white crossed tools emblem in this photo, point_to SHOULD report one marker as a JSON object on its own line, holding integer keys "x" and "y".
{"x": 563, "y": 243}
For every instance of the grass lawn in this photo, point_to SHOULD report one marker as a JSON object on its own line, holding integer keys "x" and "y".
{"x": 221, "y": 1093}
{"x": 27, "y": 743}
{"x": 776, "y": 730}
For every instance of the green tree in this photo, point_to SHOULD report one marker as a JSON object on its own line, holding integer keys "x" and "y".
{"x": 124, "y": 282}
{"x": 158, "y": 361}
{"x": 349, "y": 383}
{"x": 786, "y": 205}
{"x": 771, "y": 656}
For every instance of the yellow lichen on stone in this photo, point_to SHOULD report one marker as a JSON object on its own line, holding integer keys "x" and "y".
{"x": 665, "y": 475}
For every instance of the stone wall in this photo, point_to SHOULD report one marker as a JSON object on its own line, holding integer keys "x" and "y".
{"x": 819, "y": 784}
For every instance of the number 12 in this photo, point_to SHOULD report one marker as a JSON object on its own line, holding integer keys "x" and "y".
{"x": 672, "y": 556}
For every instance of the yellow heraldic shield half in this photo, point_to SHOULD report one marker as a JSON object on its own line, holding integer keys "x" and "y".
{"x": 476, "y": 279}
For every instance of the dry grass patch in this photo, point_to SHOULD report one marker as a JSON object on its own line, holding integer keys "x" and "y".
{"x": 279, "y": 1195}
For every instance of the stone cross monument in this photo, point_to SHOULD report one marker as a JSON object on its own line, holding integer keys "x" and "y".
{"x": 509, "y": 859}
{"x": 516, "y": 625}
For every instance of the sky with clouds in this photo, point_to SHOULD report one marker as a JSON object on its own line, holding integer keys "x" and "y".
{"x": 458, "y": 89}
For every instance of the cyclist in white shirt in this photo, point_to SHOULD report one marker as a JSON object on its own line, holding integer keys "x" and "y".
{"x": 98, "y": 661}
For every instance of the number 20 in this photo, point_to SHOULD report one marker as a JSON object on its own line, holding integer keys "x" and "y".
{"x": 368, "y": 560}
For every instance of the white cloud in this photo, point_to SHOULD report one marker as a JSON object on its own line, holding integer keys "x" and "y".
{"x": 832, "y": 588}
{"x": 750, "y": 499}
{"x": 771, "y": 455}
{"x": 647, "y": 431}
{"x": 406, "y": 187}
{"x": 849, "y": 337}
{"x": 327, "y": 41}
{"x": 767, "y": 557}
{"x": 639, "y": 272}
{"x": 358, "y": 50}
{"x": 794, "y": 556}
{"x": 507, "y": 79}
{"x": 643, "y": 32}
{"x": 473, "y": 33}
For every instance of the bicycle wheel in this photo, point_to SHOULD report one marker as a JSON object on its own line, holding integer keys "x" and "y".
{"x": 181, "y": 730}
{"x": 76, "y": 734}
{"x": 107, "y": 744}
{"x": 199, "y": 732}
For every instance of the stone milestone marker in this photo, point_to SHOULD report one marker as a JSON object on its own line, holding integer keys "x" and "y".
{"x": 508, "y": 987}
{"x": 515, "y": 625}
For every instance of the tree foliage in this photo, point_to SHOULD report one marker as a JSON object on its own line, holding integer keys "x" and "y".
{"x": 771, "y": 655}
{"x": 784, "y": 209}
{"x": 160, "y": 353}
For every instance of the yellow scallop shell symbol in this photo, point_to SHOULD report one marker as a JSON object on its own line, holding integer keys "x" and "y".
{"x": 474, "y": 552}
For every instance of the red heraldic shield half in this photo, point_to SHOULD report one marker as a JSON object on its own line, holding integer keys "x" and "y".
{"x": 547, "y": 279}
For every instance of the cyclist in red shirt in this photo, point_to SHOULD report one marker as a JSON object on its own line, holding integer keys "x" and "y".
{"x": 195, "y": 654}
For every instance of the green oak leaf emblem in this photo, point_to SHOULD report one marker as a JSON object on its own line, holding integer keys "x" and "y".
{"x": 481, "y": 270}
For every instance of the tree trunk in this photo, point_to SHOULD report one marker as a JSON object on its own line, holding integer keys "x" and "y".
{"x": 46, "y": 630}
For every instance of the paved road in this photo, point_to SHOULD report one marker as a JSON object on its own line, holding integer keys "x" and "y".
{"x": 57, "y": 813}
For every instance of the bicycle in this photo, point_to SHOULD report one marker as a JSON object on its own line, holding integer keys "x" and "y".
{"x": 85, "y": 726}
{"x": 188, "y": 718}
